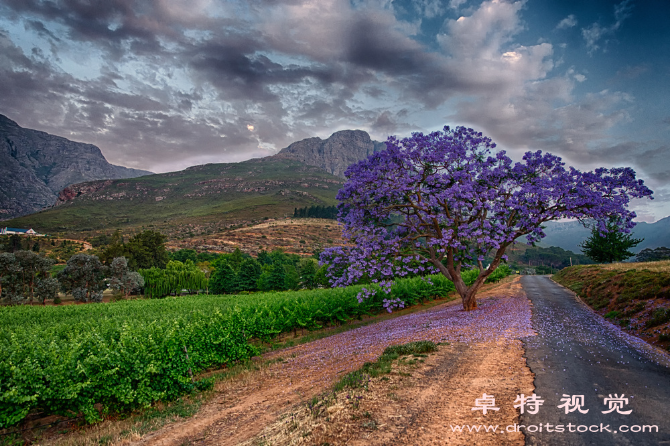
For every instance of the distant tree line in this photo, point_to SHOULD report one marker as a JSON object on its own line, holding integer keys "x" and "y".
{"x": 329, "y": 212}
{"x": 25, "y": 277}
{"x": 182, "y": 255}
{"x": 274, "y": 271}
{"x": 16, "y": 242}
{"x": 552, "y": 256}
{"x": 142, "y": 251}
{"x": 652, "y": 255}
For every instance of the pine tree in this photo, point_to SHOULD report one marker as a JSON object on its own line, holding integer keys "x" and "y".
{"x": 611, "y": 246}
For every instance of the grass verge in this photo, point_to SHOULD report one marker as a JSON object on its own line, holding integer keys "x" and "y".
{"x": 635, "y": 296}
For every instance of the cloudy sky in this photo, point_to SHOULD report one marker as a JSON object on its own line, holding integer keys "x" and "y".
{"x": 165, "y": 84}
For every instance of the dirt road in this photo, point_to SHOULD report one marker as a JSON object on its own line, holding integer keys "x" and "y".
{"x": 418, "y": 405}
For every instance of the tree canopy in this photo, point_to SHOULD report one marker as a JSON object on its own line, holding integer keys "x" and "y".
{"x": 143, "y": 251}
{"x": 25, "y": 275}
{"x": 84, "y": 277}
{"x": 444, "y": 201}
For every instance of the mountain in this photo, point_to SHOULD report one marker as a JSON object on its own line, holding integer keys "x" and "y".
{"x": 37, "y": 165}
{"x": 197, "y": 200}
{"x": 568, "y": 235}
{"x": 334, "y": 154}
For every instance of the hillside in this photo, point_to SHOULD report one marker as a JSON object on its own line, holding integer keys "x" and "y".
{"x": 37, "y": 165}
{"x": 301, "y": 236}
{"x": 197, "y": 201}
{"x": 632, "y": 295}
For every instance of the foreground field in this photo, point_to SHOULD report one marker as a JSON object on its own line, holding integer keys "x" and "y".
{"x": 95, "y": 359}
{"x": 633, "y": 295}
{"x": 415, "y": 404}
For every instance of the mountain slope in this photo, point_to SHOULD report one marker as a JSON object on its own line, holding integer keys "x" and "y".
{"x": 215, "y": 195}
{"x": 568, "y": 235}
{"x": 37, "y": 165}
{"x": 334, "y": 154}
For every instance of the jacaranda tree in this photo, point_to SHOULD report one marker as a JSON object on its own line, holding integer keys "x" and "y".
{"x": 442, "y": 202}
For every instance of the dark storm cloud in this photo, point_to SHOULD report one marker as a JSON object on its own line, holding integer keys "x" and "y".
{"x": 109, "y": 22}
{"x": 163, "y": 84}
{"x": 373, "y": 43}
{"x": 239, "y": 73}
{"x": 31, "y": 86}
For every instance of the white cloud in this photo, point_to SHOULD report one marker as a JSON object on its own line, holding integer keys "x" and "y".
{"x": 567, "y": 22}
{"x": 593, "y": 34}
{"x": 429, "y": 8}
{"x": 455, "y": 4}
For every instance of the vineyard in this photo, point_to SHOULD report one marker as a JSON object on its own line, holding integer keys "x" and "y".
{"x": 94, "y": 359}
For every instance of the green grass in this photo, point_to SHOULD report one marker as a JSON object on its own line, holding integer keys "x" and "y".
{"x": 360, "y": 378}
{"x": 628, "y": 294}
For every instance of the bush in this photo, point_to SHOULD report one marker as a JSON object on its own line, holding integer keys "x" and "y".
{"x": 658, "y": 317}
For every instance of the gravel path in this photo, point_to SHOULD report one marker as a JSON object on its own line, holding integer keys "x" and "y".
{"x": 577, "y": 352}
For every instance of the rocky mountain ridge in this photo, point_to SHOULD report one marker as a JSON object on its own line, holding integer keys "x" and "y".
{"x": 37, "y": 166}
{"x": 335, "y": 153}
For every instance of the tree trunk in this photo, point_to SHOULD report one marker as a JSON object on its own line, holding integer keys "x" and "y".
{"x": 469, "y": 297}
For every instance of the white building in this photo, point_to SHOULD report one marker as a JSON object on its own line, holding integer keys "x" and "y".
{"x": 8, "y": 231}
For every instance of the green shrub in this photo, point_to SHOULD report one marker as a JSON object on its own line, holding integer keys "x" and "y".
{"x": 658, "y": 317}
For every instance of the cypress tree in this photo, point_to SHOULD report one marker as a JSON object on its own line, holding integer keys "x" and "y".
{"x": 291, "y": 278}
{"x": 307, "y": 272}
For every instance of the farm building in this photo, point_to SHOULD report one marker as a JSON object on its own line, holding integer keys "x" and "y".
{"x": 7, "y": 231}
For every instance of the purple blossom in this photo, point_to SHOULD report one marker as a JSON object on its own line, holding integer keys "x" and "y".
{"x": 445, "y": 201}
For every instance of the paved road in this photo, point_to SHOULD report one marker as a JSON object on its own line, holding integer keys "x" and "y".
{"x": 577, "y": 353}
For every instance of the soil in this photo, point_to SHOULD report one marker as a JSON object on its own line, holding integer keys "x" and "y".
{"x": 293, "y": 235}
{"x": 416, "y": 404}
